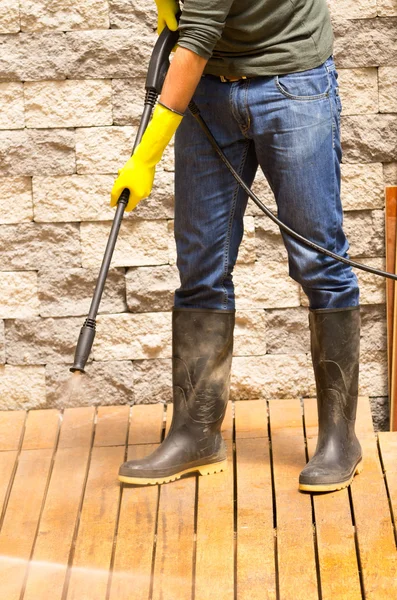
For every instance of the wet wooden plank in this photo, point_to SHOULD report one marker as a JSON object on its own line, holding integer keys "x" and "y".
{"x": 173, "y": 570}
{"x": 256, "y": 571}
{"x": 375, "y": 536}
{"x": 11, "y": 429}
{"x": 93, "y": 551}
{"x": 48, "y": 568}
{"x": 388, "y": 448}
{"x": 131, "y": 577}
{"x": 295, "y": 542}
{"x": 334, "y": 528}
{"x": 112, "y": 426}
{"x": 25, "y": 502}
{"x": 141, "y": 426}
{"x": 215, "y": 535}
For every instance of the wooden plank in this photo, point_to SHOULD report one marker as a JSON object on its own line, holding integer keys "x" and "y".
{"x": 295, "y": 542}
{"x": 388, "y": 448}
{"x": 11, "y": 429}
{"x": 141, "y": 427}
{"x": 131, "y": 577}
{"x": 256, "y": 572}
{"x": 112, "y": 426}
{"x": 335, "y": 534}
{"x": 24, "y": 506}
{"x": 215, "y": 535}
{"x": 49, "y": 563}
{"x": 93, "y": 550}
{"x": 374, "y": 529}
{"x": 390, "y": 225}
{"x": 173, "y": 572}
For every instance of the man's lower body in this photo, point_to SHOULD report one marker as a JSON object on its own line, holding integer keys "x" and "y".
{"x": 289, "y": 126}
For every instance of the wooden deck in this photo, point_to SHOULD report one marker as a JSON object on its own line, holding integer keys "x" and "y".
{"x": 70, "y": 531}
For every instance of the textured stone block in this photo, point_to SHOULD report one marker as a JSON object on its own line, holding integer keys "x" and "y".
{"x": 72, "y": 198}
{"x": 133, "y": 14}
{"x": 21, "y": 388}
{"x": 269, "y": 243}
{"x": 68, "y": 103}
{"x": 140, "y": 243}
{"x": 373, "y": 374}
{"x": 16, "y": 204}
{"x": 151, "y": 289}
{"x": 133, "y": 336}
{"x": 41, "y": 15}
{"x": 365, "y": 232}
{"x": 387, "y": 89}
{"x": 373, "y": 329}
{"x": 353, "y": 9}
{"x": 18, "y": 295}
{"x": 272, "y": 376}
{"x": 34, "y": 246}
{"x": 103, "y": 149}
{"x": 387, "y": 8}
{"x": 2, "y": 344}
{"x": 105, "y": 383}
{"x": 247, "y": 250}
{"x": 371, "y": 138}
{"x": 390, "y": 173}
{"x": 362, "y": 186}
{"x": 111, "y": 54}
{"x": 365, "y": 42}
{"x": 32, "y": 151}
{"x": 9, "y": 20}
{"x": 250, "y": 333}
{"x": 128, "y": 100}
{"x": 68, "y": 292}
{"x": 265, "y": 285}
{"x": 42, "y": 341}
{"x": 11, "y": 105}
{"x": 33, "y": 56}
{"x": 287, "y": 331}
{"x": 359, "y": 91}
{"x": 152, "y": 381}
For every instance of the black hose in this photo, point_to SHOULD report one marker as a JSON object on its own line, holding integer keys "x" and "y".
{"x": 197, "y": 115}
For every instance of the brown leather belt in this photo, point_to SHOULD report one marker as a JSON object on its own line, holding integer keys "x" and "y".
{"x": 231, "y": 79}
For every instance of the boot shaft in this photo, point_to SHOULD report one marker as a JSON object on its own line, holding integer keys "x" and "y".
{"x": 335, "y": 348}
{"x": 202, "y": 347}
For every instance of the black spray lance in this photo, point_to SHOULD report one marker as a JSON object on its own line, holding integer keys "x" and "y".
{"x": 158, "y": 67}
{"x": 157, "y": 71}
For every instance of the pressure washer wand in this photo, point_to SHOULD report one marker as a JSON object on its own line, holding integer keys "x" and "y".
{"x": 158, "y": 67}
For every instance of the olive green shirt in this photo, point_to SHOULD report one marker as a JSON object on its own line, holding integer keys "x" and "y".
{"x": 257, "y": 37}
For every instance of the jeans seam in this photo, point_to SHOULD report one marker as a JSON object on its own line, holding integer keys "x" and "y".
{"x": 230, "y": 225}
{"x": 333, "y": 177}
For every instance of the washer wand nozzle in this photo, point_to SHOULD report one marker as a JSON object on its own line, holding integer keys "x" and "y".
{"x": 84, "y": 345}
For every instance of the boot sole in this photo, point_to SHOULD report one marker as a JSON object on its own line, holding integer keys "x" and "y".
{"x": 203, "y": 470}
{"x": 330, "y": 487}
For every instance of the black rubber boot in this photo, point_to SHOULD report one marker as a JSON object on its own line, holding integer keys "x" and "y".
{"x": 202, "y": 345}
{"x": 335, "y": 347}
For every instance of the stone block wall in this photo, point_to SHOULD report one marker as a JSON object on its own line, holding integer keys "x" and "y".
{"x": 71, "y": 92}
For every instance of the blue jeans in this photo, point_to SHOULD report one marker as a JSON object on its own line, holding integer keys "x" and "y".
{"x": 290, "y": 126}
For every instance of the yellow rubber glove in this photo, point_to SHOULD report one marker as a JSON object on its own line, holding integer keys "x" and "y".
{"x": 138, "y": 172}
{"x": 166, "y": 11}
